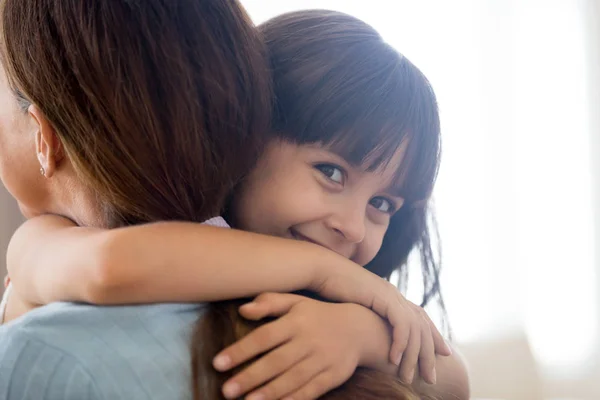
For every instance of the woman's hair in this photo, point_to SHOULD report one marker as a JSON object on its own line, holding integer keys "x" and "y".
{"x": 337, "y": 83}
{"x": 161, "y": 105}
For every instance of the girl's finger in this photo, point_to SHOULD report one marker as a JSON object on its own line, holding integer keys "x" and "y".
{"x": 291, "y": 381}
{"x": 259, "y": 341}
{"x": 440, "y": 345}
{"x": 273, "y": 364}
{"x": 410, "y": 357}
{"x": 318, "y": 386}
{"x": 269, "y": 304}
{"x": 401, "y": 333}
{"x": 427, "y": 356}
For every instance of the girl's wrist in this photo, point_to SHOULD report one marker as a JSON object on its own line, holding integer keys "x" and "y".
{"x": 376, "y": 341}
{"x": 326, "y": 268}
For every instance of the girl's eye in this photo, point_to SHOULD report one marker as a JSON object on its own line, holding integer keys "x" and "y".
{"x": 382, "y": 204}
{"x": 332, "y": 172}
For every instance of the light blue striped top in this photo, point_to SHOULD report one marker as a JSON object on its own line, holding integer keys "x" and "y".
{"x": 67, "y": 351}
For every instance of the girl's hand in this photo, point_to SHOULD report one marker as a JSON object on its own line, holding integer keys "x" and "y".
{"x": 416, "y": 340}
{"x": 312, "y": 348}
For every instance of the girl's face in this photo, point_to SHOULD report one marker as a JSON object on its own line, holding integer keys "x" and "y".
{"x": 306, "y": 192}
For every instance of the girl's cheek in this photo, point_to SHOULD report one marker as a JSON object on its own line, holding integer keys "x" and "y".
{"x": 366, "y": 253}
{"x": 372, "y": 245}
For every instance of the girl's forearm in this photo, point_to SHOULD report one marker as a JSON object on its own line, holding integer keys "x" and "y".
{"x": 172, "y": 261}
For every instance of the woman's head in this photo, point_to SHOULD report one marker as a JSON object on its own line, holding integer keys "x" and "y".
{"x": 358, "y": 143}
{"x": 135, "y": 110}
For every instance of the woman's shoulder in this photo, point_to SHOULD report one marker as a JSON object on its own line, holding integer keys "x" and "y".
{"x": 137, "y": 352}
{"x": 80, "y": 328}
{"x": 61, "y": 314}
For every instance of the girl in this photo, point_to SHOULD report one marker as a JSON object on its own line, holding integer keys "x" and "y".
{"x": 334, "y": 83}
{"x": 329, "y": 173}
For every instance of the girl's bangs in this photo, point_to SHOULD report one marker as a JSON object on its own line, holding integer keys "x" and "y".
{"x": 374, "y": 139}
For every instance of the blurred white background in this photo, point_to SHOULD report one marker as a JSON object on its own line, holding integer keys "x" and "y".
{"x": 518, "y": 84}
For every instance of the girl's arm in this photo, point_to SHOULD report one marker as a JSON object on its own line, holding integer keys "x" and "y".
{"x": 51, "y": 259}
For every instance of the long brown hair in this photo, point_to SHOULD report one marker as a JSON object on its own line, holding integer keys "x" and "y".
{"x": 161, "y": 105}
{"x": 337, "y": 83}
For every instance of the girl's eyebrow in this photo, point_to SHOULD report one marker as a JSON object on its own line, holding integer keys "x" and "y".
{"x": 340, "y": 157}
{"x": 397, "y": 186}
{"x": 396, "y": 189}
{"x": 342, "y": 154}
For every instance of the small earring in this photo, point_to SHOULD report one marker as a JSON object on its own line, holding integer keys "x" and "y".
{"x": 42, "y": 171}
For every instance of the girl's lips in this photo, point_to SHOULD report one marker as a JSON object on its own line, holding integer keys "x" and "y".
{"x": 298, "y": 236}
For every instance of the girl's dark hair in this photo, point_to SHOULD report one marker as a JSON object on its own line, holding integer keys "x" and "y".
{"x": 337, "y": 83}
{"x": 161, "y": 105}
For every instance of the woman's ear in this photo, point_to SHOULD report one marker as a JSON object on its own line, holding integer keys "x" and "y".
{"x": 48, "y": 146}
